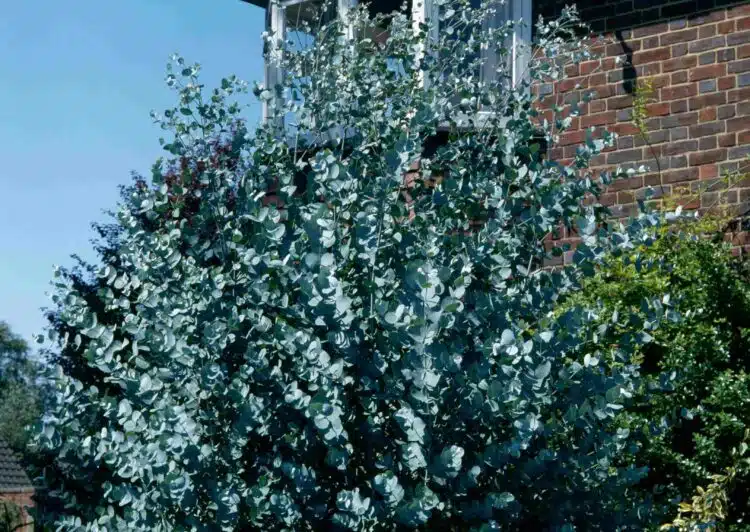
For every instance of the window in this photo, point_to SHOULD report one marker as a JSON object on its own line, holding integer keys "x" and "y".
{"x": 514, "y": 10}
{"x": 297, "y": 20}
{"x": 510, "y": 10}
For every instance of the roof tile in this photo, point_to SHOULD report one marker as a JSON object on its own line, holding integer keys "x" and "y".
{"x": 12, "y": 476}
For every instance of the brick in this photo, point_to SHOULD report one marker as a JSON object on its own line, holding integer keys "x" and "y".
{"x": 707, "y": 18}
{"x": 678, "y": 148}
{"x": 738, "y": 124}
{"x": 707, "y": 31}
{"x": 599, "y": 119}
{"x": 703, "y": 45}
{"x": 600, "y": 78}
{"x": 708, "y": 171}
{"x": 707, "y": 85}
{"x": 620, "y": 102}
{"x": 707, "y": 143}
{"x": 628, "y": 183}
{"x": 725, "y": 111}
{"x": 651, "y": 56}
{"x": 587, "y": 67}
{"x": 743, "y": 80}
{"x": 709, "y": 128}
{"x": 676, "y": 24}
{"x": 602, "y": 91}
{"x": 572, "y": 137}
{"x": 616, "y": 76}
{"x": 647, "y": 31}
{"x": 597, "y": 106}
{"x": 707, "y": 58}
{"x": 626, "y": 197}
{"x": 680, "y": 161}
{"x": 742, "y": 65}
{"x": 726, "y": 54}
{"x": 608, "y": 63}
{"x": 677, "y": 133}
{"x": 563, "y": 86}
{"x": 650, "y": 43}
{"x": 715, "y": 98}
{"x": 728, "y": 167}
{"x": 725, "y": 27}
{"x": 679, "y": 63}
{"x": 727, "y": 140}
{"x": 678, "y": 120}
{"x": 657, "y": 109}
{"x": 648, "y": 70}
{"x": 738, "y": 95}
{"x": 678, "y": 176}
{"x": 733, "y": 39}
{"x": 624, "y": 143}
{"x": 653, "y": 138}
{"x": 679, "y": 77}
{"x": 707, "y": 157}
{"x": 652, "y": 180}
{"x": 660, "y": 81}
{"x": 679, "y": 50}
{"x": 624, "y": 129}
{"x": 571, "y": 151}
{"x": 743, "y": 137}
{"x": 652, "y": 124}
{"x": 726, "y": 83}
{"x": 709, "y": 71}
{"x": 679, "y": 92}
{"x": 740, "y": 152}
{"x": 743, "y": 108}
{"x": 679, "y": 106}
{"x": 625, "y": 115}
{"x": 707, "y": 115}
{"x": 739, "y": 11}
{"x": 743, "y": 51}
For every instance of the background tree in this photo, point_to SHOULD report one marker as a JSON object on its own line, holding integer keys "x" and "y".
{"x": 329, "y": 362}
{"x": 21, "y": 392}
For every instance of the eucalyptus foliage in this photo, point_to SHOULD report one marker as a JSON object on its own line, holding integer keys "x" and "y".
{"x": 342, "y": 357}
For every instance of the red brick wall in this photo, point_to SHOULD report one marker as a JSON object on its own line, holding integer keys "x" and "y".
{"x": 696, "y": 54}
{"x": 23, "y": 500}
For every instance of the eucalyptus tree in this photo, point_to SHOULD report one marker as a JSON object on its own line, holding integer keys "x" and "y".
{"x": 307, "y": 347}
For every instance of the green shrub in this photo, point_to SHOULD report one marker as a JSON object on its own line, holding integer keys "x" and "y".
{"x": 11, "y": 517}
{"x": 692, "y": 408}
{"x": 336, "y": 363}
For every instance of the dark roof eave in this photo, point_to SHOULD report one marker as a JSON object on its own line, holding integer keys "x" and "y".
{"x": 260, "y": 3}
{"x": 5, "y": 491}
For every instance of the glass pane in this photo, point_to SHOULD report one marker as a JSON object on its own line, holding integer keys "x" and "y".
{"x": 503, "y": 12}
{"x": 304, "y": 19}
{"x": 303, "y": 22}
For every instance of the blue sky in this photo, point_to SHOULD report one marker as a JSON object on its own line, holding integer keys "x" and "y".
{"x": 77, "y": 82}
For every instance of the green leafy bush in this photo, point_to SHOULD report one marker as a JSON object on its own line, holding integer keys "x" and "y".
{"x": 344, "y": 358}
{"x": 11, "y": 517}
{"x": 692, "y": 408}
